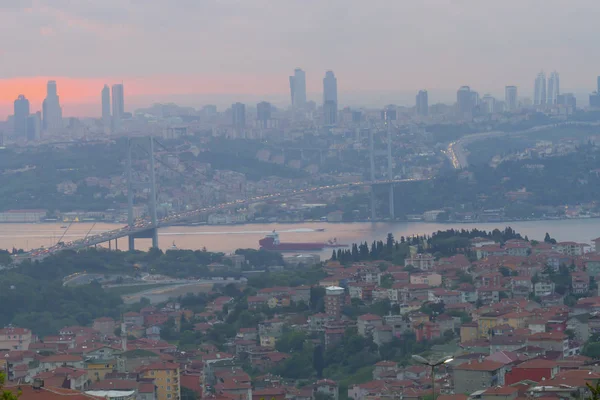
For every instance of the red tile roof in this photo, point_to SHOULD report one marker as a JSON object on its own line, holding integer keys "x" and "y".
{"x": 485, "y": 365}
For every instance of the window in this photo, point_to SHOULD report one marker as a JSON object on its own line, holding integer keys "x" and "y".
{"x": 168, "y": 380}
{"x": 169, "y": 388}
{"x": 168, "y": 396}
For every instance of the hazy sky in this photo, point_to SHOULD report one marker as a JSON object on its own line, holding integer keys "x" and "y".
{"x": 188, "y": 49}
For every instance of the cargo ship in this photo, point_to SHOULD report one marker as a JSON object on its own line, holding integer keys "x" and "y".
{"x": 271, "y": 242}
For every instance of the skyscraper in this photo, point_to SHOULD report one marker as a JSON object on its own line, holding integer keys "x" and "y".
{"x": 52, "y": 112}
{"x": 488, "y": 104}
{"x": 422, "y": 103}
{"x": 21, "y": 111}
{"x": 539, "y": 89}
{"x": 118, "y": 105}
{"x": 238, "y": 116}
{"x": 34, "y": 126}
{"x": 330, "y": 88}
{"x": 106, "y": 107}
{"x": 465, "y": 102}
{"x": 553, "y": 88}
{"x": 510, "y": 98}
{"x": 330, "y": 98}
{"x": 263, "y": 113}
{"x": 330, "y": 112}
{"x": 598, "y": 85}
{"x": 298, "y": 88}
{"x": 567, "y": 99}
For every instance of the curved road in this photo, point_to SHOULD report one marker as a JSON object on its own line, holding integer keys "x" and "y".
{"x": 458, "y": 155}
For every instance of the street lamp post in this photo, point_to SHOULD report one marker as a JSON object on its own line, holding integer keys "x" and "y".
{"x": 432, "y": 365}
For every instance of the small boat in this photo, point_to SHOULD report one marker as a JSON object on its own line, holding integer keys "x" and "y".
{"x": 320, "y": 230}
{"x": 173, "y": 246}
{"x": 63, "y": 227}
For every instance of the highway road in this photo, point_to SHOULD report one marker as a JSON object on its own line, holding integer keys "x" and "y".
{"x": 457, "y": 153}
{"x": 143, "y": 225}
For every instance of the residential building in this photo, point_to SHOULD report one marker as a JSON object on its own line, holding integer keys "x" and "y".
{"x": 367, "y": 322}
{"x": 327, "y": 387}
{"x": 426, "y": 278}
{"x": 335, "y": 298}
{"x": 166, "y": 379}
{"x": 476, "y": 375}
{"x": 543, "y": 288}
{"x": 570, "y": 248}
{"x": 550, "y": 341}
{"x": 424, "y": 262}
{"x": 12, "y": 338}
{"x": 535, "y": 370}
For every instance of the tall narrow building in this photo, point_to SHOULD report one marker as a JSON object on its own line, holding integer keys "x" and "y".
{"x": 553, "y": 88}
{"x": 510, "y": 98}
{"x": 118, "y": 105}
{"x": 21, "y": 114}
{"x": 330, "y": 99}
{"x": 539, "y": 89}
{"x": 106, "y": 107}
{"x": 330, "y": 92}
{"x": 51, "y": 110}
{"x": 298, "y": 88}
{"x": 465, "y": 102}
{"x": 263, "y": 113}
{"x": 238, "y": 116}
{"x": 422, "y": 103}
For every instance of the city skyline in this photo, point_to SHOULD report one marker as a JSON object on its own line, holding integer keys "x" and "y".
{"x": 476, "y": 49}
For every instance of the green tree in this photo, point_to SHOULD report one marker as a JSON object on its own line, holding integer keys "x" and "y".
{"x": 7, "y": 394}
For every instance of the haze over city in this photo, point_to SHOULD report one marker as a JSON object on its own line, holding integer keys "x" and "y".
{"x": 195, "y": 53}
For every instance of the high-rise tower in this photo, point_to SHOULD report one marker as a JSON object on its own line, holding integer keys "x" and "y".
{"x": 422, "y": 103}
{"x": 106, "y": 107}
{"x": 330, "y": 98}
{"x": 118, "y": 105}
{"x": 21, "y": 111}
{"x": 539, "y": 89}
{"x": 510, "y": 98}
{"x": 238, "y": 115}
{"x": 298, "y": 88}
{"x": 553, "y": 88}
{"x": 52, "y": 112}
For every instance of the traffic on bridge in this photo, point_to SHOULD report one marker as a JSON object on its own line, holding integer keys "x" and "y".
{"x": 143, "y": 225}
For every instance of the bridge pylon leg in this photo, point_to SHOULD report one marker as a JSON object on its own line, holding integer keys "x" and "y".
{"x": 392, "y": 212}
{"x": 155, "y": 238}
{"x": 131, "y": 240}
{"x": 373, "y": 213}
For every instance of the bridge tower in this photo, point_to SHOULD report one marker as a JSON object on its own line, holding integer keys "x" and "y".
{"x": 152, "y": 231}
{"x": 372, "y": 162}
{"x": 390, "y": 115}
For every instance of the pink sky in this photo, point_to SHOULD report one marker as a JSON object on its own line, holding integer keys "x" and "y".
{"x": 242, "y": 47}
